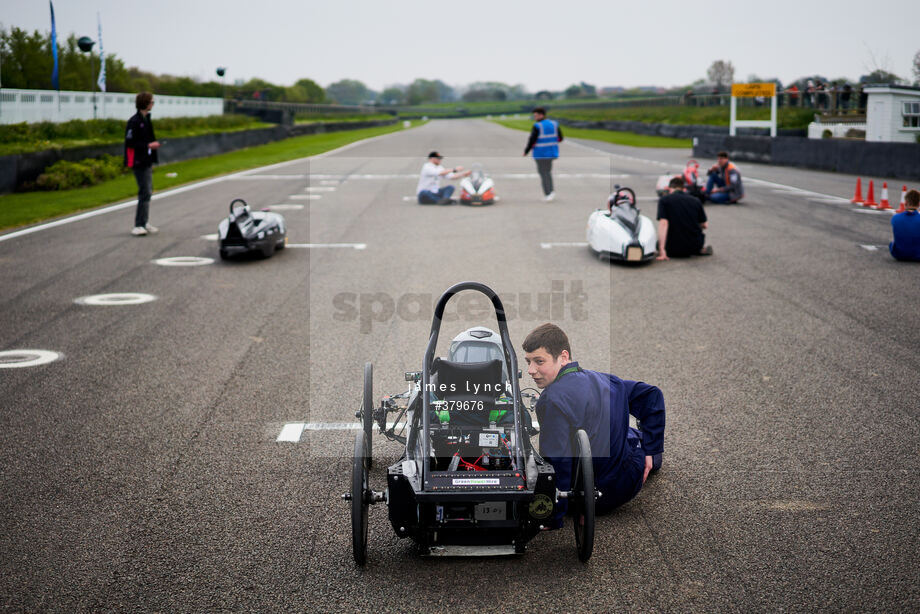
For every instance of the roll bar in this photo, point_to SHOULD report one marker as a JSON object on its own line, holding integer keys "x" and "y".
{"x": 510, "y": 358}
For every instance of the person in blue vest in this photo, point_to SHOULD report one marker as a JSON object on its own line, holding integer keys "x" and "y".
{"x": 905, "y": 227}
{"x": 600, "y": 403}
{"x": 544, "y": 141}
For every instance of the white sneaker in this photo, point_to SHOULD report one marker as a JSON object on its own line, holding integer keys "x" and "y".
{"x": 139, "y": 231}
{"x": 550, "y": 196}
{"x": 152, "y": 229}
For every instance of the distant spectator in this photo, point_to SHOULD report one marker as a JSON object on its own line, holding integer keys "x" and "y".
{"x": 689, "y": 99}
{"x": 820, "y": 90}
{"x": 681, "y": 221}
{"x": 906, "y": 230}
{"x": 863, "y": 99}
{"x": 845, "y": 93}
{"x": 793, "y": 93}
{"x": 810, "y": 93}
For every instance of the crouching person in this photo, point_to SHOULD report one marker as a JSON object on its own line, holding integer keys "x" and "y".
{"x": 600, "y": 403}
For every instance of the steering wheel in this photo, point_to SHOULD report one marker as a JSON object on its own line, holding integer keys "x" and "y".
{"x": 238, "y": 200}
{"x": 627, "y": 194}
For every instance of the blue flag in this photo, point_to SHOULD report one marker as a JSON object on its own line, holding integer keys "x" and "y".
{"x": 55, "y": 82}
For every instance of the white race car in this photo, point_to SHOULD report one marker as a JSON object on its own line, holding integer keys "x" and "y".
{"x": 620, "y": 232}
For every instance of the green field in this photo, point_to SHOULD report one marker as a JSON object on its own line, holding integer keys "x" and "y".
{"x": 630, "y": 139}
{"x": 31, "y": 207}
{"x": 683, "y": 115}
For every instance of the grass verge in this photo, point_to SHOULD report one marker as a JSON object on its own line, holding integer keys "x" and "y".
{"x": 30, "y": 207}
{"x": 630, "y": 139}
{"x": 786, "y": 117}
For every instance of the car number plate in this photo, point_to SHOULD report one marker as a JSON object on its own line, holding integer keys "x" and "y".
{"x": 634, "y": 254}
{"x": 490, "y": 511}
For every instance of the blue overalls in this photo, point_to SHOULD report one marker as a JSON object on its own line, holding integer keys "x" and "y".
{"x": 600, "y": 403}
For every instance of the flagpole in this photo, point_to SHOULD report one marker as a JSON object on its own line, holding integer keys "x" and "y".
{"x": 101, "y": 64}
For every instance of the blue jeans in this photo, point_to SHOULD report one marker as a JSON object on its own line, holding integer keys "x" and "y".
{"x": 719, "y": 197}
{"x": 427, "y": 197}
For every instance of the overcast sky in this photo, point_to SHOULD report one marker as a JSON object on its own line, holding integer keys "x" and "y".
{"x": 541, "y": 44}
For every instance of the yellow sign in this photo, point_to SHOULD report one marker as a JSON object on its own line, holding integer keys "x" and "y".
{"x": 750, "y": 90}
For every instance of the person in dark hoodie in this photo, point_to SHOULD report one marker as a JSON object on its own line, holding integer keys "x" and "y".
{"x": 141, "y": 147}
{"x": 600, "y": 403}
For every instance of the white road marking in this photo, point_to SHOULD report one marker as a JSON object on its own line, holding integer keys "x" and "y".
{"x": 17, "y": 359}
{"x": 319, "y": 188}
{"x": 871, "y": 211}
{"x": 291, "y": 432}
{"x": 212, "y": 237}
{"x": 329, "y": 182}
{"x": 122, "y": 298}
{"x": 563, "y": 244}
{"x": 285, "y": 207}
{"x": 324, "y": 245}
{"x": 183, "y": 261}
{"x": 871, "y": 248}
{"x": 305, "y": 196}
{"x": 267, "y": 177}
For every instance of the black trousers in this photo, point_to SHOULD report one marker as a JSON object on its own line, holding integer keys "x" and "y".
{"x": 545, "y": 168}
{"x": 144, "y": 178}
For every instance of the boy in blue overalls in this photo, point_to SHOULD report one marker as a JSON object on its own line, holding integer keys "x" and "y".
{"x": 600, "y": 403}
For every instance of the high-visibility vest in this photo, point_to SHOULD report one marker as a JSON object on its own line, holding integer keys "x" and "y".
{"x": 547, "y": 145}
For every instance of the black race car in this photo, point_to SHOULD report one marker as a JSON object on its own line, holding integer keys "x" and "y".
{"x": 246, "y": 231}
{"x": 469, "y": 482}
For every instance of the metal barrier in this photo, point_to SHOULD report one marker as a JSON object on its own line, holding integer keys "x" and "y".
{"x": 52, "y": 106}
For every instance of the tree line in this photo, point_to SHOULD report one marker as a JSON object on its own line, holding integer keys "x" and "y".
{"x": 26, "y": 63}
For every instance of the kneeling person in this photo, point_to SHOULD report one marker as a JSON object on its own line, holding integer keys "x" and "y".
{"x": 600, "y": 403}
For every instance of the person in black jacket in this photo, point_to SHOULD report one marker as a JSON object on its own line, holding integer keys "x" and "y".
{"x": 141, "y": 147}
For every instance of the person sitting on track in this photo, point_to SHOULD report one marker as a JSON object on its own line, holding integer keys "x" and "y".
{"x": 905, "y": 227}
{"x": 429, "y": 188}
{"x": 681, "y": 221}
{"x": 724, "y": 183}
{"x": 600, "y": 403}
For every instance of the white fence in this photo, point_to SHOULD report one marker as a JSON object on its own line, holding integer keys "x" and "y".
{"x": 52, "y": 106}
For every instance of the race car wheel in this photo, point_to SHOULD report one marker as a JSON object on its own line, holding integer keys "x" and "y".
{"x": 359, "y": 497}
{"x": 367, "y": 410}
{"x": 582, "y": 499}
{"x": 268, "y": 251}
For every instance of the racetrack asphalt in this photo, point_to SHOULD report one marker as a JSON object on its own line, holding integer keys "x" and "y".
{"x": 141, "y": 471}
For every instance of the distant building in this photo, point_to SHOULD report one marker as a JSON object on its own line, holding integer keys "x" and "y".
{"x": 893, "y": 113}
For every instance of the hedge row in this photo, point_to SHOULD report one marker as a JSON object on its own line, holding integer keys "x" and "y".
{"x": 64, "y": 175}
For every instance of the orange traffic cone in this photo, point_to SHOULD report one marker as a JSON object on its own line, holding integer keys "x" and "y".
{"x": 884, "y": 202}
{"x": 857, "y": 197}
{"x": 903, "y": 206}
{"x": 870, "y": 196}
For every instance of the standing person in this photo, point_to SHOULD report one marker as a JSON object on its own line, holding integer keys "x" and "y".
{"x": 905, "y": 227}
{"x": 724, "y": 183}
{"x": 141, "y": 147}
{"x": 681, "y": 221}
{"x": 544, "y": 141}
{"x": 845, "y": 97}
{"x": 429, "y": 190}
{"x": 600, "y": 403}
